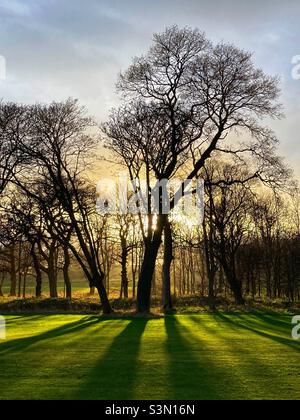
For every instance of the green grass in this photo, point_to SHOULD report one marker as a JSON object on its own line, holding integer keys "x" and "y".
{"x": 220, "y": 356}
{"x": 79, "y": 283}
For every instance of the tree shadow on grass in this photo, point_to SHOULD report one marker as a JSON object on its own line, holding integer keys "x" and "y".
{"x": 193, "y": 373}
{"x": 113, "y": 376}
{"x": 270, "y": 324}
{"x": 52, "y": 363}
{"x": 22, "y": 344}
{"x": 255, "y": 374}
{"x": 274, "y": 321}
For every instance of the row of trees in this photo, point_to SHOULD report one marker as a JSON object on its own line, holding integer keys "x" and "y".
{"x": 189, "y": 109}
{"x": 248, "y": 245}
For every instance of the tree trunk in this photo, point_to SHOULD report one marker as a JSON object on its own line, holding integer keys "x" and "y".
{"x": 19, "y": 270}
{"x": 52, "y": 284}
{"x": 66, "y": 267}
{"x": 211, "y": 290}
{"x": 1, "y": 284}
{"x": 124, "y": 274}
{"x": 134, "y": 268}
{"x": 148, "y": 268}
{"x": 235, "y": 286}
{"x": 97, "y": 282}
{"x": 168, "y": 258}
{"x": 52, "y": 273}
{"x": 94, "y": 273}
{"x": 13, "y": 274}
{"x": 228, "y": 264}
{"x": 25, "y": 284}
{"x": 210, "y": 264}
{"x": 38, "y": 272}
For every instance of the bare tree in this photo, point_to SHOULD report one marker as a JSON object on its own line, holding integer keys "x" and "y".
{"x": 60, "y": 148}
{"x": 12, "y": 129}
{"x": 229, "y": 208}
{"x": 187, "y": 98}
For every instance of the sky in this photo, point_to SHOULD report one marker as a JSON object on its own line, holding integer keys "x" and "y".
{"x": 55, "y": 49}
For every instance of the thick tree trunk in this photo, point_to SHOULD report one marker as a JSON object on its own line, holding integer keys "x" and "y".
{"x": 235, "y": 286}
{"x": 52, "y": 284}
{"x": 13, "y": 274}
{"x": 148, "y": 268}
{"x": 66, "y": 275}
{"x": 168, "y": 258}
{"x": 146, "y": 277}
{"x": 97, "y": 282}
{"x": 228, "y": 264}
{"x": 211, "y": 290}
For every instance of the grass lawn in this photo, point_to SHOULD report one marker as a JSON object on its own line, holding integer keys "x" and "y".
{"x": 218, "y": 356}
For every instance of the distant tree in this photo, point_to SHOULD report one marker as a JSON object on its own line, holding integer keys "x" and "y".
{"x": 229, "y": 207}
{"x": 23, "y": 213}
{"x": 124, "y": 223}
{"x": 209, "y": 249}
{"x": 167, "y": 301}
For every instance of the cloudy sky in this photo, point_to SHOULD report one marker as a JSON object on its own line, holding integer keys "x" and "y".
{"x": 55, "y": 49}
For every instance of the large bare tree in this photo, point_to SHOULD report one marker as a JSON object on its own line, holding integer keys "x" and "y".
{"x": 187, "y": 99}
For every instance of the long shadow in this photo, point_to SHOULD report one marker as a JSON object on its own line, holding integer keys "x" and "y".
{"x": 54, "y": 357}
{"x": 241, "y": 322}
{"x": 251, "y": 371}
{"x": 22, "y": 344}
{"x": 193, "y": 374}
{"x": 113, "y": 376}
{"x": 17, "y": 319}
{"x": 274, "y": 321}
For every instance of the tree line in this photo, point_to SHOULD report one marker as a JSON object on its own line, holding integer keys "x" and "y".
{"x": 188, "y": 109}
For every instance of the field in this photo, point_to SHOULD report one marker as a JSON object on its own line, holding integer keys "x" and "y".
{"x": 209, "y": 356}
{"x": 80, "y": 286}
